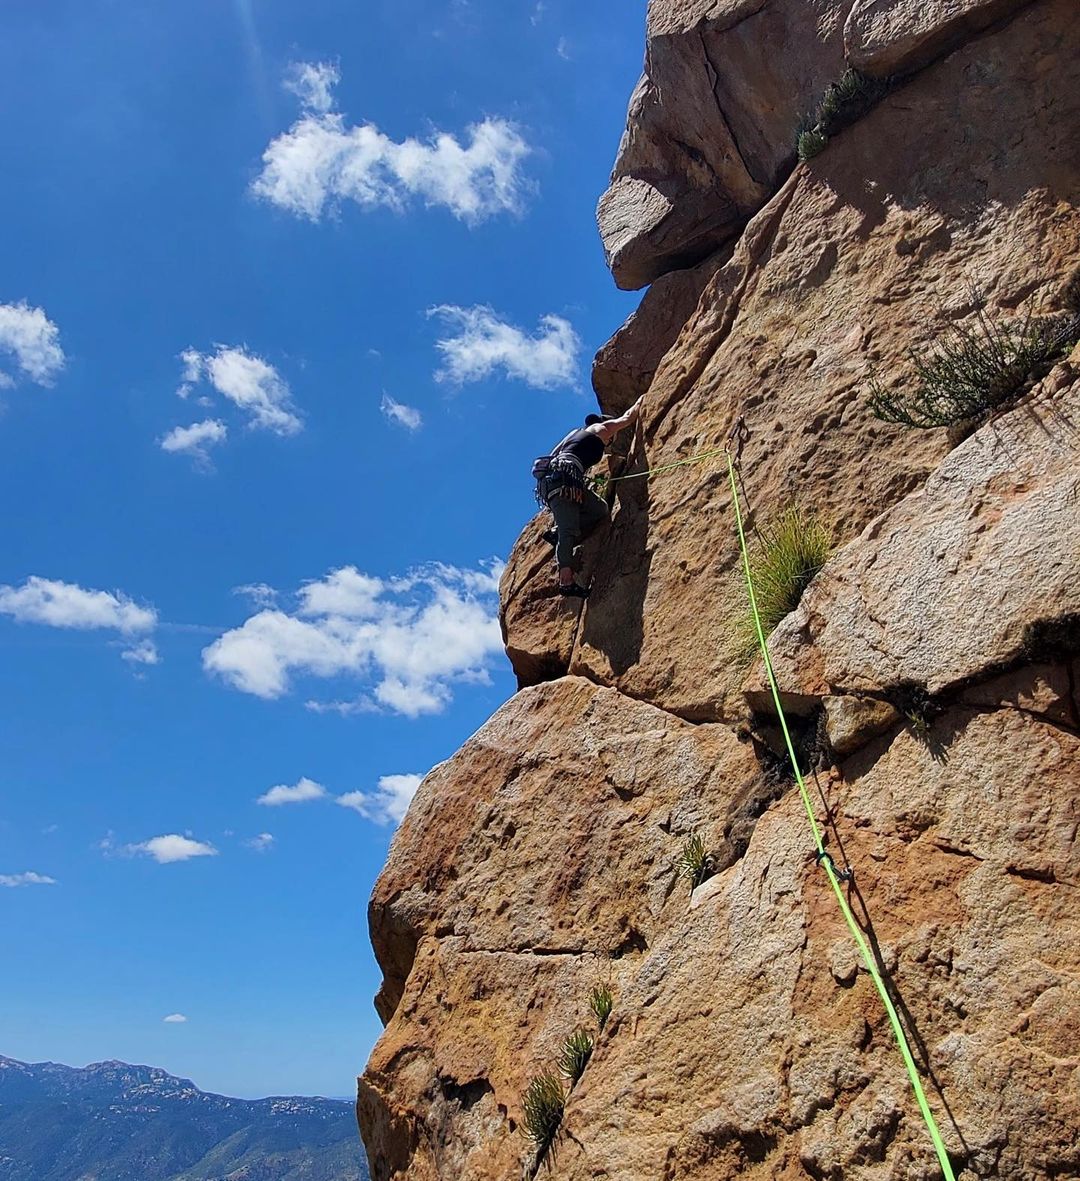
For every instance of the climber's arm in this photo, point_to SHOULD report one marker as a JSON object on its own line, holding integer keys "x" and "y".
{"x": 608, "y": 430}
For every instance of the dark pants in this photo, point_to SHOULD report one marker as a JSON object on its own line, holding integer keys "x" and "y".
{"x": 575, "y": 521}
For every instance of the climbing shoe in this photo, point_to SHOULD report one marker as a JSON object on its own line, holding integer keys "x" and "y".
{"x": 572, "y": 589}
{"x": 551, "y": 536}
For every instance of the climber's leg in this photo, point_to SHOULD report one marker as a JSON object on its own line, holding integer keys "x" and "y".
{"x": 567, "y": 514}
{"x": 593, "y": 513}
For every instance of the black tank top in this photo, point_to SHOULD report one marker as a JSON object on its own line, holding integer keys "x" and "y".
{"x": 585, "y": 446}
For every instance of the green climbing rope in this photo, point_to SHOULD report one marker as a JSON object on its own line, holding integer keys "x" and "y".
{"x": 823, "y": 857}
{"x": 664, "y": 467}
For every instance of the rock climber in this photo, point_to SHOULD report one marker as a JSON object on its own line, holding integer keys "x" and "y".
{"x": 577, "y": 510}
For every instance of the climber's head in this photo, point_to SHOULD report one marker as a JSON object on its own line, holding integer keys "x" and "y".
{"x": 593, "y": 419}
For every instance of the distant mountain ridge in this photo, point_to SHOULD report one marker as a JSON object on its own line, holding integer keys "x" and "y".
{"x": 113, "y": 1121}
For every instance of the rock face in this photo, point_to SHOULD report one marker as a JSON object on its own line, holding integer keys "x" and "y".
{"x": 931, "y": 670}
{"x": 713, "y": 121}
{"x": 624, "y": 368}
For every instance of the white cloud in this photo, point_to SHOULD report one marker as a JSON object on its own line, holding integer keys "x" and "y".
{"x": 406, "y": 416}
{"x": 260, "y": 593}
{"x": 193, "y": 366}
{"x": 195, "y": 440}
{"x": 175, "y": 1019}
{"x": 321, "y": 161}
{"x": 250, "y": 383}
{"x": 563, "y": 49}
{"x": 388, "y": 803}
{"x": 484, "y": 344}
{"x": 407, "y": 639}
{"x": 482, "y": 580}
{"x": 169, "y": 848}
{"x": 144, "y": 652}
{"x": 64, "y": 604}
{"x": 313, "y": 83}
{"x": 342, "y": 592}
{"x": 262, "y": 843}
{"x": 301, "y": 792}
{"x": 33, "y": 341}
{"x": 14, "y": 880}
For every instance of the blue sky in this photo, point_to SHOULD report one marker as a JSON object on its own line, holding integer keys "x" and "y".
{"x": 290, "y": 296}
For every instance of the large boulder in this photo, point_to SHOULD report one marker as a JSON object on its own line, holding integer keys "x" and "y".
{"x": 710, "y": 132}
{"x": 746, "y": 1041}
{"x": 883, "y": 37}
{"x": 711, "y": 128}
{"x": 540, "y": 851}
{"x": 976, "y": 571}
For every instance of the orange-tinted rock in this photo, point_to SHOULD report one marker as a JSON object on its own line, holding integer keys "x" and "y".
{"x": 624, "y": 368}
{"x": 542, "y": 849}
{"x": 883, "y": 37}
{"x": 712, "y": 124}
{"x": 966, "y": 576}
{"x": 862, "y": 256}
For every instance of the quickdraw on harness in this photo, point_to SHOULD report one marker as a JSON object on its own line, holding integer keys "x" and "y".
{"x": 560, "y": 474}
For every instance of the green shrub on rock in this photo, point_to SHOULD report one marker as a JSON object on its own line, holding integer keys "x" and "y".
{"x": 575, "y": 1054}
{"x": 601, "y": 1002}
{"x": 543, "y": 1106}
{"x": 693, "y": 862}
{"x": 975, "y": 369}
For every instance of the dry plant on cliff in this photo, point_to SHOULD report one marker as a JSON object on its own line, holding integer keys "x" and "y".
{"x": 976, "y": 368}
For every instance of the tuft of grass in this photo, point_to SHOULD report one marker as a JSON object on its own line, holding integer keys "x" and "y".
{"x": 693, "y": 861}
{"x": 976, "y": 368}
{"x": 601, "y": 1002}
{"x": 575, "y": 1054}
{"x": 790, "y": 550}
{"x": 543, "y": 1106}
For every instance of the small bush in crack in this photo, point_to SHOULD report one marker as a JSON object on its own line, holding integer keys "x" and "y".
{"x": 918, "y": 707}
{"x": 810, "y": 143}
{"x": 843, "y": 102}
{"x": 543, "y": 1110}
{"x": 575, "y": 1054}
{"x": 790, "y": 550}
{"x": 694, "y": 862}
{"x": 976, "y": 368}
{"x": 849, "y": 99}
{"x": 601, "y": 1002}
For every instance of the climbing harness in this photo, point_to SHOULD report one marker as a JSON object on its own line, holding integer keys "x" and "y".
{"x": 562, "y": 476}
{"x": 822, "y": 856}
